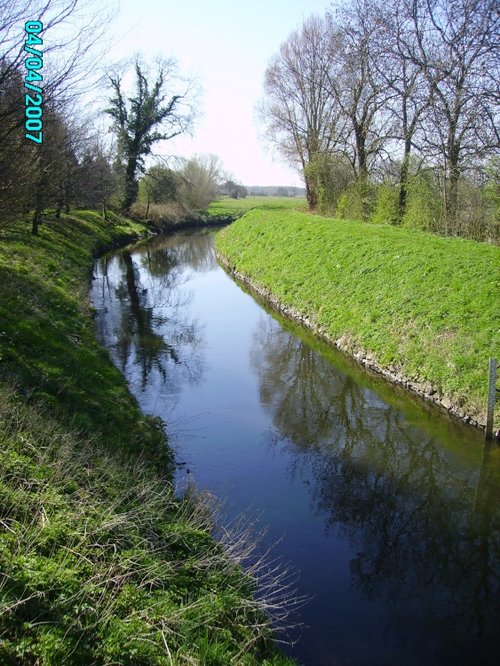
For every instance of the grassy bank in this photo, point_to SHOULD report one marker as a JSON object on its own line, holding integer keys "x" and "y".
{"x": 421, "y": 306}
{"x": 99, "y": 563}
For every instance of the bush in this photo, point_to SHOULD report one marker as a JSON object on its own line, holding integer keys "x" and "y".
{"x": 356, "y": 202}
{"x": 386, "y": 205}
{"x": 423, "y": 204}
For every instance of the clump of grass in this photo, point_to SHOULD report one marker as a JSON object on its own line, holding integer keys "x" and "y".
{"x": 101, "y": 564}
{"x": 426, "y": 307}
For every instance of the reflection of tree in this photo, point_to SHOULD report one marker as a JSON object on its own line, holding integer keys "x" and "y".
{"x": 425, "y": 526}
{"x": 298, "y": 393}
{"x": 138, "y": 323}
{"x": 145, "y": 322}
{"x": 166, "y": 253}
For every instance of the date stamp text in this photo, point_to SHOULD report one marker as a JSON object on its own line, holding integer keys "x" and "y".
{"x": 33, "y": 81}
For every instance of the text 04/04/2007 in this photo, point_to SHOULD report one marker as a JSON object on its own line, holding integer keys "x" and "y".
{"x": 32, "y": 82}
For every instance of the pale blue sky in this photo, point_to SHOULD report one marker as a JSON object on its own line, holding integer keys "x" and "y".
{"x": 227, "y": 46}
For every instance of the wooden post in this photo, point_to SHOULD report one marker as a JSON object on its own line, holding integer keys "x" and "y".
{"x": 492, "y": 388}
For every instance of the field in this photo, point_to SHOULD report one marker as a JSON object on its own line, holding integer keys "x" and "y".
{"x": 227, "y": 206}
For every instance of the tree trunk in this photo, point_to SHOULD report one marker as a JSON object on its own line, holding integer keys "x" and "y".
{"x": 37, "y": 218}
{"x": 362, "y": 169}
{"x": 37, "y": 215}
{"x": 131, "y": 186}
{"x": 452, "y": 202}
{"x": 311, "y": 193}
{"x": 403, "y": 183}
{"x": 453, "y": 166}
{"x": 67, "y": 198}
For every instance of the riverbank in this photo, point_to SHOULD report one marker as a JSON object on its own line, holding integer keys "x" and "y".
{"x": 100, "y": 563}
{"x": 420, "y": 309}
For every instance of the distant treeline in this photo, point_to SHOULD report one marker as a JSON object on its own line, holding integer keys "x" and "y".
{"x": 275, "y": 191}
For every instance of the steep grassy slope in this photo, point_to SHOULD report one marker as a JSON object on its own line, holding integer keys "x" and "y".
{"x": 421, "y": 306}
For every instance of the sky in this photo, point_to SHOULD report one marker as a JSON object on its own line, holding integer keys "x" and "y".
{"x": 226, "y": 45}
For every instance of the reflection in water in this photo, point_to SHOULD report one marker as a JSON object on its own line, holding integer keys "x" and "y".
{"x": 425, "y": 527}
{"x": 144, "y": 318}
{"x": 387, "y": 508}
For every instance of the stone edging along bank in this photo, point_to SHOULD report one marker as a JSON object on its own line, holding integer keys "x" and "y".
{"x": 423, "y": 389}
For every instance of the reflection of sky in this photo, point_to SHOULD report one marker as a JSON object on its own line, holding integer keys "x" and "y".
{"x": 382, "y": 509}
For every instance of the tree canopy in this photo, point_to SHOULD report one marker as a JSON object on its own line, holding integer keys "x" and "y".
{"x": 151, "y": 115}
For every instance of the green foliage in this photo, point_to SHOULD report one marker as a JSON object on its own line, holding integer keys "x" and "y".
{"x": 356, "y": 202}
{"x": 492, "y": 187}
{"x": 423, "y": 205}
{"x": 159, "y": 185}
{"x": 491, "y": 193}
{"x": 100, "y": 562}
{"x": 422, "y": 305}
{"x": 331, "y": 175}
{"x": 386, "y": 205}
{"x": 152, "y": 114}
{"x": 479, "y": 213}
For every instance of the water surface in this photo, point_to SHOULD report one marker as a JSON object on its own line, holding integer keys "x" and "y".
{"x": 387, "y": 508}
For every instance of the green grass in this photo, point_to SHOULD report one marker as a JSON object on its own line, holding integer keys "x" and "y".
{"x": 99, "y": 563}
{"x": 227, "y": 206}
{"x": 424, "y": 306}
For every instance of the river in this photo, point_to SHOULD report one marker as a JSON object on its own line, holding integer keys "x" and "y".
{"x": 385, "y": 508}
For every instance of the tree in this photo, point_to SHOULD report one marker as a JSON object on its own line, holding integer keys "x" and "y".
{"x": 358, "y": 90}
{"x": 160, "y": 185}
{"x": 298, "y": 110}
{"x": 95, "y": 181}
{"x": 53, "y": 159}
{"x": 233, "y": 189}
{"x": 200, "y": 179}
{"x": 32, "y": 175}
{"x": 456, "y": 47}
{"x": 153, "y": 114}
{"x": 408, "y": 99}
{"x": 17, "y": 156}
{"x": 70, "y": 60}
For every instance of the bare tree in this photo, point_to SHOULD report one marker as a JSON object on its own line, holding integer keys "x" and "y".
{"x": 200, "y": 179}
{"x": 456, "y": 47}
{"x": 408, "y": 99}
{"x": 153, "y": 114}
{"x": 70, "y": 33}
{"x": 299, "y": 113}
{"x": 357, "y": 87}
{"x": 16, "y": 154}
{"x": 52, "y": 160}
